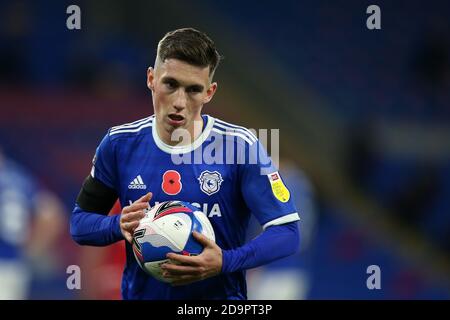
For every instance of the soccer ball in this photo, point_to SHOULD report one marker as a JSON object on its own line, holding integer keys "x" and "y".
{"x": 167, "y": 227}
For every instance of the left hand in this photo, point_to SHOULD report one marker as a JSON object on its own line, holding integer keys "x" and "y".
{"x": 194, "y": 268}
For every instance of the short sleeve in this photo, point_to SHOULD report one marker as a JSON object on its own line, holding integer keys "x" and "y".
{"x": 263, "y": 189}
{"x": 103, "y": 164}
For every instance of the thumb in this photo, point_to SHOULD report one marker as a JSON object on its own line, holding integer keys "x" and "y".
{"x": 204, "y": 240}
{"x": 144, "y": 198}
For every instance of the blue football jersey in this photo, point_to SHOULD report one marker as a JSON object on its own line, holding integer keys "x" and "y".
{"x": 225, "y": 172}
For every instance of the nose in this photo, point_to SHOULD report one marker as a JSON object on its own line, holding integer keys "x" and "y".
{"x": 180, "y": 100}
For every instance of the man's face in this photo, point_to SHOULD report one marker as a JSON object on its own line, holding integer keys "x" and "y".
{"x": 179, "y": 91}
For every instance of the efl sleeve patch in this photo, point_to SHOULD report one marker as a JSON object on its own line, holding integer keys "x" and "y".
{"x": 278, "y": 188}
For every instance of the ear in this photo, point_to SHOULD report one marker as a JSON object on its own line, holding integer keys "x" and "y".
{"x": 151, "y": 78}
{"x": 210, "y": 92}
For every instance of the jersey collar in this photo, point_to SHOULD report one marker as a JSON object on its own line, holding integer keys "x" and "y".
{"x": 187, "y": 148}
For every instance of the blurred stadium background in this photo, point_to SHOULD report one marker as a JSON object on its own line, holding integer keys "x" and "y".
{"x": 363, "y": 116}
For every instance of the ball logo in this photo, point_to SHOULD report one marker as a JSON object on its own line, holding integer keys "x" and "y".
{"x": 138, "y": 234}
{"x": 210, "y": 182}
{"x": 171, "y": 183}
{"x": 169, "y": 207}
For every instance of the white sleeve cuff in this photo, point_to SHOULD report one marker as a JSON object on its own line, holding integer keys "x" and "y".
{"x": 282, "y": 220}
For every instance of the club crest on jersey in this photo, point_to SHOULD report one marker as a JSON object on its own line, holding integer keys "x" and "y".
{"x": 210, "y": 182}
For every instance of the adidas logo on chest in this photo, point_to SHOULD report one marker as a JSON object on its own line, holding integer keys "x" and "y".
{"x": 137, "y": 183}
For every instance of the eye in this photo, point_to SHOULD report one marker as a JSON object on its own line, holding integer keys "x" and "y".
{"x": 170, "y": 84}
{"x": 194, "y": 89}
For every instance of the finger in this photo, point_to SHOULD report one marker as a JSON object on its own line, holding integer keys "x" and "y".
{"x": 132, "y": 216}
{"x": 135, "y": 207}
{"x": 144, "y": 198}
{"x": 127, "y": 236}
{"x": 173, "y": 269}
{"x": 130, "y": 226}
{"x": 204, "y": 240}
{"x": 188, "y": 260}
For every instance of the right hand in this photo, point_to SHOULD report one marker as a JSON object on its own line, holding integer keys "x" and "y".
{"x": 132, "y": 214}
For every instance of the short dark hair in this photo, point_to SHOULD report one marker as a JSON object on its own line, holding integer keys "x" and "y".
{"x": 191, "y": 46}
